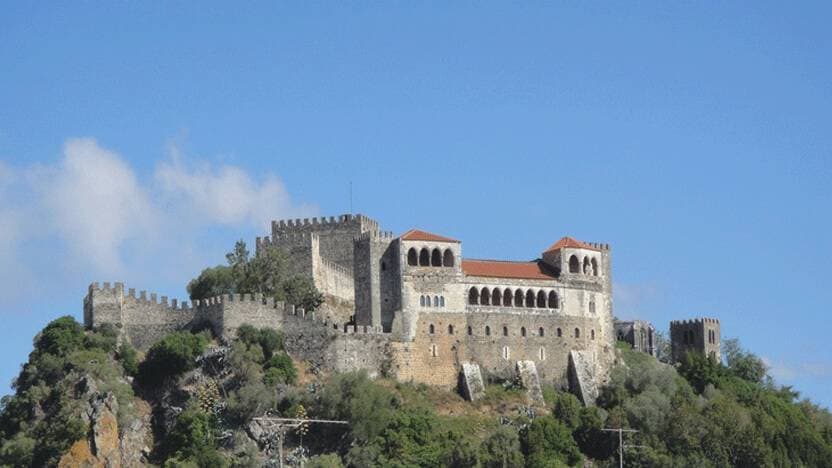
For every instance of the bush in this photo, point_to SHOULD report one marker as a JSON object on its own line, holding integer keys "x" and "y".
{"x": 129, "y": 359}
{"x": 191, "y": 441}
{"x": 60, "y": 337}
{"x": 501, "y": 449}
{"x": 280, "y": 369}
{"x": 329, "y": 460}
{"x": 548, "y": 440}
{"x": 171, "y": 356}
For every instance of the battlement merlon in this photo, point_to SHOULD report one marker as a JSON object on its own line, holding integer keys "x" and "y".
{"x": 364, "y": 222}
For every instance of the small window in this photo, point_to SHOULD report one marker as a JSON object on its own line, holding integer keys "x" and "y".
{"x": 553, "y": 300}
{"x": 577, "y": 333}
{"x": 450, "y": 329}
{"x": 540, "y": 331}
{"x": 436, "y": 301}
{"x": 441, "y": 301}
{"x": 574, "y": 265}
{"x": 433, "y": 351}
{"x": 430, "y": 329}
{"x": 523, "y": 332}
{"x": 560, "y": 332}
{"x": 487, "y": 330}
{"x": 505, "y": 331}
{"x": 383, "y": 266}
{"x": 592, "y": 307}
{"x": 422, "y": 301}
{"x": 427, "y": 301}
{"x": 506, "y": 353}
{"x": 470, "y": 331}
{"x": 542, "y": 354}
{"x": 592, "y": 334}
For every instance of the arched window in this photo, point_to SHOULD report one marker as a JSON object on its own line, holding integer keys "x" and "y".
{"x": 574, "y": 265}
{"x": 412, "y": 257}
{"x": 577, "y": 333}
{"x": 487, "y": 330}
{"x": 431, "y": 329}
{"x": 505, "y": 331}
{"x": 518, "y": 298}
{"x": 436, "y": 258}
{"x": 424, "y": 257}
{"x": 448, "y": 258}
{"x": 560, "y": 333}
{"x": 592, "y": 334}
{"x": 507, "y": 297}
{"x": 473, "y": 296}
{"x": 591, "y": 307}
{"x": 422, "y": 301}
{"x": 427, "y": 301}
{"x": 587, "y": 267}
{"x": 436, "y": 301}
{"x": 450, "y": 329}
{"x": 441, "y": 301}
{"x": 523, "y": 332}
{"x": 553, "y": 300}
{"x": 485, "y": 296}
{"x": 496, "y": 297}
{"x": 540, "y": 331}
{"x": 470, "y": 331}
{"x": 541, "y": 299}
{"x": 594, "y": 267}
{"x": 529, "y": 298}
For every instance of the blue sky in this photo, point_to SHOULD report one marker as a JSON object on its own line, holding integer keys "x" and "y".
{"x": 139, "y": 140}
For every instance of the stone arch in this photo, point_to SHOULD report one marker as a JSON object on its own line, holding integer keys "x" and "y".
{"x": 587, "y": 267}
{"x": 574, "y": 264}
{"x": 473, "y": 296}
{"x": 507, "y": 297}
{"x": 436, "y": 301}
{"x": 594, "y": 267}
{"x": 422, "y": 300}
{"x": 436, "y": 258}
{"x": 529, "y": 298}
{"x": 448, "y": 258}
{"x": 541, "y": 299}
{"x": 518, "y": 298}
{"x": 553, "y": 300}
{"x": 485, "y": 296}
{"x": 441, "y": 301}
{"x": 412, "y": 257}
{"x": 523, "y": 332}
{"x": 496, "y": 297}
{"x": 424, "y": 257}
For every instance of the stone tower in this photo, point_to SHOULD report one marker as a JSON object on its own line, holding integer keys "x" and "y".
{"x": 699, "y": 335}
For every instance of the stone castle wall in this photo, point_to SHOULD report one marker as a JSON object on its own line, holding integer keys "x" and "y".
{"x": 700, "y": 335}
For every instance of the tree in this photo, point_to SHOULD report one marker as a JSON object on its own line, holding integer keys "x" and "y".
{"x": 171, "y": 356}
{"x": 742, "y": 363}
{"x": 548, "y": 441}
{"x": 212, "y": 282}
{"x": 501, "y": 449}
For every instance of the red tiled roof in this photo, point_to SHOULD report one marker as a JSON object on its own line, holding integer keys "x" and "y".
{"x": 417, "y": 235}
{"x": 505, "y": 269}
{"x": 568, "y": 242}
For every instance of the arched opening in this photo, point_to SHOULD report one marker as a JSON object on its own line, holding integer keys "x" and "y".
{"x": 518, "y": 298}
{"x": 436, "y": 301}
{"x": 574, "y": 264}
{"x": 587, "y": 267}
{"x": 523, "y": 332}
{"x": 470, "y": 331}
{"x": 422, "y": 301}
{"x": 592, "y": 307}
{"x": 431, "y": 329}
{"x": 487, "y": 330}
{"x": 441, "y": 301}
{"x": 412, "y": 257}
{"x": 577, "y": 333}
{"x": 553, "y": 300}
{"x": 541, "y": 299}
{"x": 473, "y": 296}
{"x": 529, "y": 298}
{"x": 427, "y": 301}
{"x": 496, "y": 297}
{"x": 485, "y": 296}
{"x": 507, "y": 296}
{"x": 540, "y": 331}
{"x": 594, "y": 267}
{"x": 436, "y": 258}
{"x": 560, "y": 333}
{"x": 450, "y": 329}
{"x": 424, "y": 257}
{"x": 506, "y": 353}
{"x": 505, "y": 331}
{"x": 448, "y": 258}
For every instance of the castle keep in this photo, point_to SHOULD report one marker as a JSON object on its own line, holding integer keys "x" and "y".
{"x": 412, "y": 307}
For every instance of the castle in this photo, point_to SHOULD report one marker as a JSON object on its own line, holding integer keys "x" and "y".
{"x": 411, "y": 307}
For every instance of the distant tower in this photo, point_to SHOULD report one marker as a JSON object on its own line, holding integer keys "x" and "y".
{"x": 640, "y": 334}
{"x": 699, "y": 335}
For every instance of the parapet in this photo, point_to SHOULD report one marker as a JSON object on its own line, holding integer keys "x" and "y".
{"x": 143, "y": 297}
{"x": 599, "y": 246}
{"x": 323, "y": 221}
{"x": 385, "y": 236}
{"x": 694, "y": 321}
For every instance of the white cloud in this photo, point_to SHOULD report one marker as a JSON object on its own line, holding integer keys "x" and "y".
{"x": 225, "y": 194}
{"x": 631, "y": 299}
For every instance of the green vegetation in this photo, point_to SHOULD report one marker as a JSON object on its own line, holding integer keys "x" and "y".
{"x": 171, "y": 356}
{"x": 266, "y": 273}
{"x": 41, "y": 420}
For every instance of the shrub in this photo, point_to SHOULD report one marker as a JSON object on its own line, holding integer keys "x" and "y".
{"x": 129, "y": 359}
{"x": 548, "y": 440}
{"x": 61, "y": 336}
{"x": 280, "y": 369}
{"x": 171, "y": 356}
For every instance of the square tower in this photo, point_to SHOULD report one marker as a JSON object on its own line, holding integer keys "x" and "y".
{"x": 701, "y": 335}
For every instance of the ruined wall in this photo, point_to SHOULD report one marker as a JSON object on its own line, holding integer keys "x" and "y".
{"x": 641, "y": 335}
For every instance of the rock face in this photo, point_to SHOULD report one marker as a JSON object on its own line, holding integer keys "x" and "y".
{"x": 527, "y": 372}
{"x": 582, "y": 376}
{"x": 102, "y": 447}
{"x": 471, "y": 381}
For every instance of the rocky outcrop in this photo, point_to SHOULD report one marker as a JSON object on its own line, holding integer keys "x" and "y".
{"x": 102, "y": 447}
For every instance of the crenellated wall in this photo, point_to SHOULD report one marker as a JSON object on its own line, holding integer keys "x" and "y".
{"x": 700, "y": 335}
